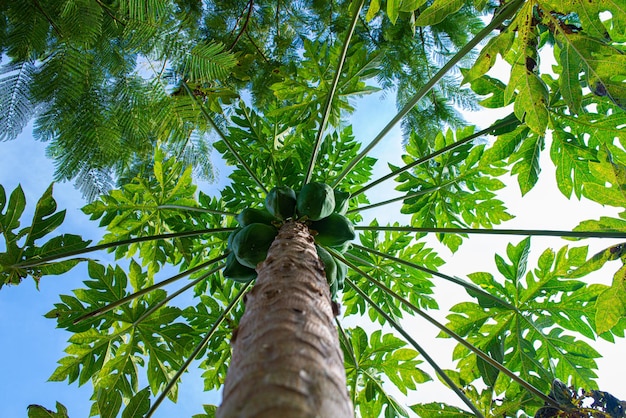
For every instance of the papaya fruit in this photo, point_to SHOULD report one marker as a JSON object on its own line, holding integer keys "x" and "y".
{"x": 342, "y": 201}
{"x": 342, "y": 272}
{"x": 330, "y": 267}
{"x": 315, "y": 201}
{"x": 334, "y": 230}
{"x": 232, "y": 236}
{"x": 234, "y": 270}
{"x": 250, "y": 245}
{"x": 281, "y": 202}
{"x": 342, "y": 248}
{"x": 250, "y": 216}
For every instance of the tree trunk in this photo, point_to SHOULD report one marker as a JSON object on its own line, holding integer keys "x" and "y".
{"x": 286, "y": 359}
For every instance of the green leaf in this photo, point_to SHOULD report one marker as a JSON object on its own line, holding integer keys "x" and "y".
{"x": 571, "y": 157}
{"x": 438, "y": 11}
{"x": 139, "y": 405}
{"x": 498, "y": 45}
{"x": 207, "y": 62}
{"x": 526, "y": 162}
{"x": 436, "y": 409}
{"x": 454, "y": 190}
{"x": 38, "y": 411}
{"x": 531, "y": 343}
{"x": 604, "y": 172}
{"x": 393, "y": 7}
{"x": 372, "y": 10}
{"x": 611, "y": 304}
{"x": 209, "y": 412}
{"x": 382, "y": 355}
{"x": 109, "y": 403}
{"x": 45, "y": 220}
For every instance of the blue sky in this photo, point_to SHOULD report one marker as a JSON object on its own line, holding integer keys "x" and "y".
{"x": 31, "y": 345}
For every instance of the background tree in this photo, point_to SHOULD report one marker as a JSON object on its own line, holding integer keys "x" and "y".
{"x": 518, "y": 335}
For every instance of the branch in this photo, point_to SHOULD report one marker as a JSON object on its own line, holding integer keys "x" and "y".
{"x": 523, "y": 232}
{"x": 419, "y": 348}
{"x": 332, "y": 91}
{"x": 507, "y": 12}
{"x": 221, "y": 134}
{"x": 245, "y": 25}
{"x": 498, "y": 125}
{"x": 148, "y": 289}
{"x": 36, "y": 262}
{"x": 467, "y": 285}
{"x": 445, "y": 329}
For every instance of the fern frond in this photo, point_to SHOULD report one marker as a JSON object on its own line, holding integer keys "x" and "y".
{"x": 28, "y": 30}
{"x": 145, "y": 10}
{"x": 93, "y": 182}
{"x": 194, "y": 152}
{"x": 207, "y": 62}
{"x": 16, "y": 105}
{"x": 80, "y": 22}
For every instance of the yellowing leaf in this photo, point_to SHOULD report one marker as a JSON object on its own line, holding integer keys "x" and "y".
{"x": 373, "y": 9}
{"x": 611, "y": 304}
{"x": 438, "y": 11}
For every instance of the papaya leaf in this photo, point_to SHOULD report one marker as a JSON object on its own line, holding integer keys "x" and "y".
{"x": 369, "y": 361}
{"x": 452, "y": 190}
{"x": 571, "y": 156}
{"x": 491, "y": 87}
{"x": 209, "y": 412}
{"x": 611, "y": 304}
{"x": 139, "y": 404}
{"x": 532, "y": 93}
{"x": 437, "y": 409}
{"x": 526, "y": 162}
{"x": 304, "y": 91}
{"x": 498, "y": 45}
{"x": 609, "y": 185}
{"x": 109, "y": 403}
{"x": 110, "y": 349}
{"x": 602, "y": 64}
{"x": 549, "y": 307}
{"x": 373, "y": 9}
{"x": 412, "y": 284}
{"x": 438, "y": 11}
{"x": 152, "y": 206}
{"x": 597, "y": 261}
{"x": 22, "y": 245}
{"x": 588, "y": 13}
{"x": 38, "y": 411}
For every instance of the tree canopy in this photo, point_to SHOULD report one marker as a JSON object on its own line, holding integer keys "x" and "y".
{"x": 132, "y": 97}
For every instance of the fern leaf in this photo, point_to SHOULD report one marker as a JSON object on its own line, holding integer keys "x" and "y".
{"x": 16, "y": 106}
{"x": 208, "y": 62}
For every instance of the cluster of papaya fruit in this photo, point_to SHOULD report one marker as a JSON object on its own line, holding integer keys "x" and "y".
{"x": 317, "y": 204}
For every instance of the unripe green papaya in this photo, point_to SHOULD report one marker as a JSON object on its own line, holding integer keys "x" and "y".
{"x": 334, "y": 288}
{"x": 330, "y": 267}
{"x": 342, "y": 248}
{"x": 334, "y": 230}
{"x": 232, "y": 236}
{"x": 315, "y": 201}
{"x": 342, "y": 272}
{"x": 250, "y": 245}
{"x": 234, "y": 270}
{"x": 281, "y": 202}
{"x": 342, "y": 201}
{"x": 250, "y": 216}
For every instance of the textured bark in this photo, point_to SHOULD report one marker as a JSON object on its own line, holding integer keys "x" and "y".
{"x": 286, "y": 359}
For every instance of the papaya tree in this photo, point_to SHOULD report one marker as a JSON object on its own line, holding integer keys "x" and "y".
{"x": 282, "y": 258}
